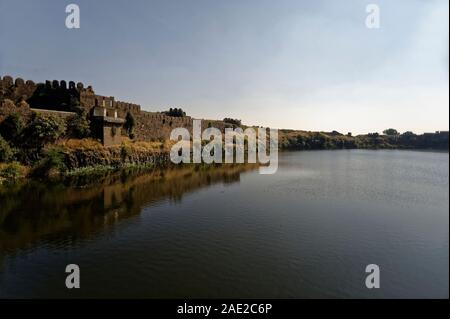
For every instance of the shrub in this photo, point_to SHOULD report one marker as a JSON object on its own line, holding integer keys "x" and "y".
{"x": 78, "y": 126}
{"x": 232, "y": 121}
{"x": 6, "y": 152}
{"x": 391, "y": 132}
{"x": 43, "y": 130}
{"x": 51, "y": 163}
{"x": 86, "y": 144}
{"x": 125, "y": 152}
{"x": 129, "y": 125}
{"x": 11, "y": 127}
{"x": 11, "y": 171}
{"x": 175, "y": 112}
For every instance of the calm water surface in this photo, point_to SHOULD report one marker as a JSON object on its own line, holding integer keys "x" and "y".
{"x": 307, "y": 231}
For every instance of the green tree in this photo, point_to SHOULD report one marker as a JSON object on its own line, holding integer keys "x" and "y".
{"x": 232, "y": 121}
{"x": 11, "y": 171}
{"x": 43, "y": 130}
{"x": 408, "y": 138}
{"x": 78, "y": 125}
{"x": 391, "y": 132}
{"x": 51, "y": 163}
{"x": 11, "y": 127}
{"x": 175, "y": 112}
{"x": 6, "y": 152}
{"x": 129, "y": 125}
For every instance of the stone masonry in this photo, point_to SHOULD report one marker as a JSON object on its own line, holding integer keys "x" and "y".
{"x": 150, "y": 126}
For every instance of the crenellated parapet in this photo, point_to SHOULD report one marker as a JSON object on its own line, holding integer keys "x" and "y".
{"x": 6, "y": 81}
{"x": 16, "y": 90}
{"x": 60, "y": 95}
{"x": 125, "y": 107}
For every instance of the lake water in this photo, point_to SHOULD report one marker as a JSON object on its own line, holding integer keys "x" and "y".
{"x": 306, "y": 232}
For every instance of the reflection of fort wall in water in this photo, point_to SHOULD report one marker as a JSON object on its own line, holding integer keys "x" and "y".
{"x": 81, "y": 211}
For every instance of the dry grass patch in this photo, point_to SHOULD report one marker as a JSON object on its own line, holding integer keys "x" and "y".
{"x": 89, "y": 144}
{"x": 82, "y": 144}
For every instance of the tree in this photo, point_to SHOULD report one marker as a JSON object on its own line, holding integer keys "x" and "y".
{"x": 408, "y": 138}
{"x": 43, "y": 130}
{"x": 391, "y": 132}
{"x": 11, "y": 127}
{"x": 175, "y": 112}
{"x": 51, "y": 163}
{"x": 6, "y": 153}
{"x": 78, "y": 125}
{"x": 232, "y": 121}
{"x": 129, "y": 125}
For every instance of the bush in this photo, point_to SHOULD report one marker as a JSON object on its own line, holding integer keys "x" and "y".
{"x": 11, "y": 127}
{"x": 11, "y": 171}
{"x": 43, "y": 130}
{"x": 52, "y": 163}
{"x": 129, "y": 125}
{"x": 78, "y": 126}
{"x": 125, "y": 152}
{"x": 232, "y": 121}
{"x": 6, "y": 152}
{"x": 391, "y": 132}
{"x": 175, "y": 112}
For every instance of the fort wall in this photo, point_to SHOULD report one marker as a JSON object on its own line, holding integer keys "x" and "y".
{"x": 149, "y": 126}
{"x": 19, "y": 90}
{"x": 154, "y": 126}
{"x": 16, "y": 90}
{"x": 60, "y": 114}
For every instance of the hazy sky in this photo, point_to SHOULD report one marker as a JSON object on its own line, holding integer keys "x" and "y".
{"x": 309, "y": 65}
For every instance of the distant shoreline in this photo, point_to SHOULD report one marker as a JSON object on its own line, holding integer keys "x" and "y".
{"x": 94, "y": 170}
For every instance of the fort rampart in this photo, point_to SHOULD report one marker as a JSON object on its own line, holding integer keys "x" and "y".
{"x": 150, "y": 126}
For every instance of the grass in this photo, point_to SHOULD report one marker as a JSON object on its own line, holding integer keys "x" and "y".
{"x": 89, "y": 144}
{"x": 91, "y": 170}
{"x": 12, "y": 171}
{"x": 99, "y": 170}
{"x": 81, "y": 144}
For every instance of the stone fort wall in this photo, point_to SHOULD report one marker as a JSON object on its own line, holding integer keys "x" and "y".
{"x": 16, "y": 90}
{"x": 150, "y": 126}
{"x": 19, "y": 90}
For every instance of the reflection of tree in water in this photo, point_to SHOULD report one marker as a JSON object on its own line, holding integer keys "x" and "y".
{"x": 80, "y": 207}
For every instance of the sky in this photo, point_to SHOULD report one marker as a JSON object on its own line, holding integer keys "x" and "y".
{"x": 310, "y": 65}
